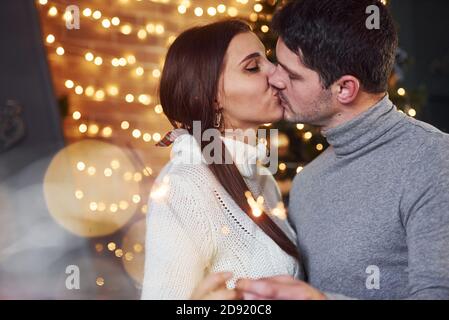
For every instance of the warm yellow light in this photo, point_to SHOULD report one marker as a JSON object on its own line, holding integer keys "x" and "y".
{"x": 82, "y": 128}
{"x": 282, "y": 166}
{"x": 131, "y": 59}
{"x": 211, "y": 11}
{"x": 300, "y": 126}
{"x": 89, "y": 56}
{"x": 99, "y": 95}
{"x": 79, "y": 194}
{"x": 141, "y": 34}
{"x": 107, "y": 172}
{"x": 253, "y": 17}
{"x": 69, "y": 84}
{"x": 233, "y": 12}
{"x": 96, "y": 15}
{"x": 111, "y": 246}
{"x": 43, "y": 2}
{"x": 98, "y": 61}
{"x": 124, "y": 125}
{"x": 221, "y": 8}
{"x": 401, "y": 91}
{"x": 79, "y": 90}
{"x": 115, "y": 62}
{"x": 147, "y": 137}
{"x": 106, "y": 132}
{"x": 91, "y": 171}
{"x": 157, "y": 137}
{"x": 258, "y": 7}
{"x": 129, "y": 98}
{"x": 160, "y": 29}
{"x": 156, "y": 73}
{"x": 60, "y": 51}
{"x": 115, "y": 21}
{"x": 299, "y": 169}
{"x": 52, "y": 11}
{"x": 137, "y": 177}
{"x": 93, "y": 129}
{"x": 264, "y": 28}
{"x": 87, "y": 12}
{"x": 319, "y": 147}
{"x": 50, "y": 38}
{"x": 122, "y": 62}
{"x": 144, "y": 99}
{"x": 115, "y": 164}
{"x": 198, "y": 11}
{"x": 308, "y": 135}
{"x": 89, "y": 91}
{"x": 126, "y": 29}
{"x": 106, "y": 23}
{"x": 136, "y": 198}
{"x": 139, "y": 71}
{"x": 182, "y": 9}
{"x": 80, "y": 166}
{"x": 158, "y": 109}
{"x": 112, "y": 90}
{"x": 76, "y": 115}
{"x": 411, "y": 112}
{"x": 136, "y": 133}
{"x": 151, "y": 28}
{"x": 93, "y": 206}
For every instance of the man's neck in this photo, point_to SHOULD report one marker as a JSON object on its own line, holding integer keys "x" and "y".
{"x": 348, "y": 112}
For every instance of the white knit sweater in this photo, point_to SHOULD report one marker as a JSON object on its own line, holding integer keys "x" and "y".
{"x": 194, "y": 227}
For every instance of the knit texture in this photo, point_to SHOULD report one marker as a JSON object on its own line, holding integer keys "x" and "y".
{"x": 194, "y": 227}
{"x": 372, "y": 211}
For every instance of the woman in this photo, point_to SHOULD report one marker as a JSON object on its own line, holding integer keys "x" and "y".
{"x": 200, "y": 221}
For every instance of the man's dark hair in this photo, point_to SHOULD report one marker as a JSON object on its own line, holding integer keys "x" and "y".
{"x": 331, "y": 38}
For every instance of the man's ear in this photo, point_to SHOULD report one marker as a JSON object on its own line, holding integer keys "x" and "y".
{"x": 347, "y": 89}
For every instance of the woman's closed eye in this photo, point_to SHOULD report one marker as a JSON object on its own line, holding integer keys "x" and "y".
{"x": 253, "y": 67}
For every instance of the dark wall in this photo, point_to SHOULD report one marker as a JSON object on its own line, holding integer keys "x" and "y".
{"x": 424, "y": 35}
{"x": 26, "y": 84}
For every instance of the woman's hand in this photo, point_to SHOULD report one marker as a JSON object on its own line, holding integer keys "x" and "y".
{"x": 213, "y": 287}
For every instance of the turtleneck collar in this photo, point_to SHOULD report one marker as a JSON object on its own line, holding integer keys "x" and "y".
{"x": 245, "y": 156}
{"x": 364, "y": 129}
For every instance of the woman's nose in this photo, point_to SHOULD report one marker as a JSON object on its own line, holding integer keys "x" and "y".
{"x": 275, "y": 78}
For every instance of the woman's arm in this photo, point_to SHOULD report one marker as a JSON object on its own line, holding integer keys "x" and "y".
{"x": 179, "y": 241}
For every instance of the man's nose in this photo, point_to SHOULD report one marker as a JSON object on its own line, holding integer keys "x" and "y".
{"x": 275, "y": 78}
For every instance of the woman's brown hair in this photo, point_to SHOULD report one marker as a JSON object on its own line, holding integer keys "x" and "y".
{"x": 188, "y": 91}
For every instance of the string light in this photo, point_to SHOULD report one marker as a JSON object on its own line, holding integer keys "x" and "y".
{"x": 299, "y": 169}
{"x": 264, "y": 28}
{"x": 89, "y": 56}
{"x": 106, "y": 23}
{"x": 401, "y": 91}
{"x": 82, "y": 128}
{"x": 182, "y": 9}
{"x": 258, "y": 7}
{"x": 221, "y": 8}
{"x": 211, "y": 11}
{"x": 69, "y": 84}
{"x": 300, "y": 126}
{"x": 52, "y": 12}
{"x": 79, "y": 90}
{"x": 60, "y": 51}
{"x": 308, "y": 135}
{"x": 126, "y": 29}
{"x": 43, "y": 2}
{"x": 50, "y": 38}
{"x": 96, "y": 15}
{"x": 87, "y": 12}
{"x": 198, "y": 11}
{"x": 124, "y": 125}
{"x": 233, "y": 12}
{"x": 115, "y": 21}
{"x": 76, "y": 115}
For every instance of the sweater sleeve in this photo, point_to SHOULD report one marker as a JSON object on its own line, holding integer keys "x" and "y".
{"x": 425, "y": 215}
{"x": 179, "y": 243}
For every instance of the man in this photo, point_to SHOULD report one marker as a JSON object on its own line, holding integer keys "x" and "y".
{"x": 372, "y": 211}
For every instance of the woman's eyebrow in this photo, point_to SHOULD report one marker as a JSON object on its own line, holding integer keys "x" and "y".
{"x": 250, "y": 56}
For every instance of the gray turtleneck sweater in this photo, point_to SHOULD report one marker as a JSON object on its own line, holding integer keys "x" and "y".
{"x": 372, "y": 211}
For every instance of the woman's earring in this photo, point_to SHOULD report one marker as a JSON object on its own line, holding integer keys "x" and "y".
{"x": 217, "y": 120}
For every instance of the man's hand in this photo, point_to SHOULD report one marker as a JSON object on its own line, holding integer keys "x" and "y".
{"x": 213, "y": 287}
{"x": 278, "y": 288}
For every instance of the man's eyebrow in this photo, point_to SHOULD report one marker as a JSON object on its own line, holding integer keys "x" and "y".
{"x": 250, "y": 56}
{"x": 289, "y": 71}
